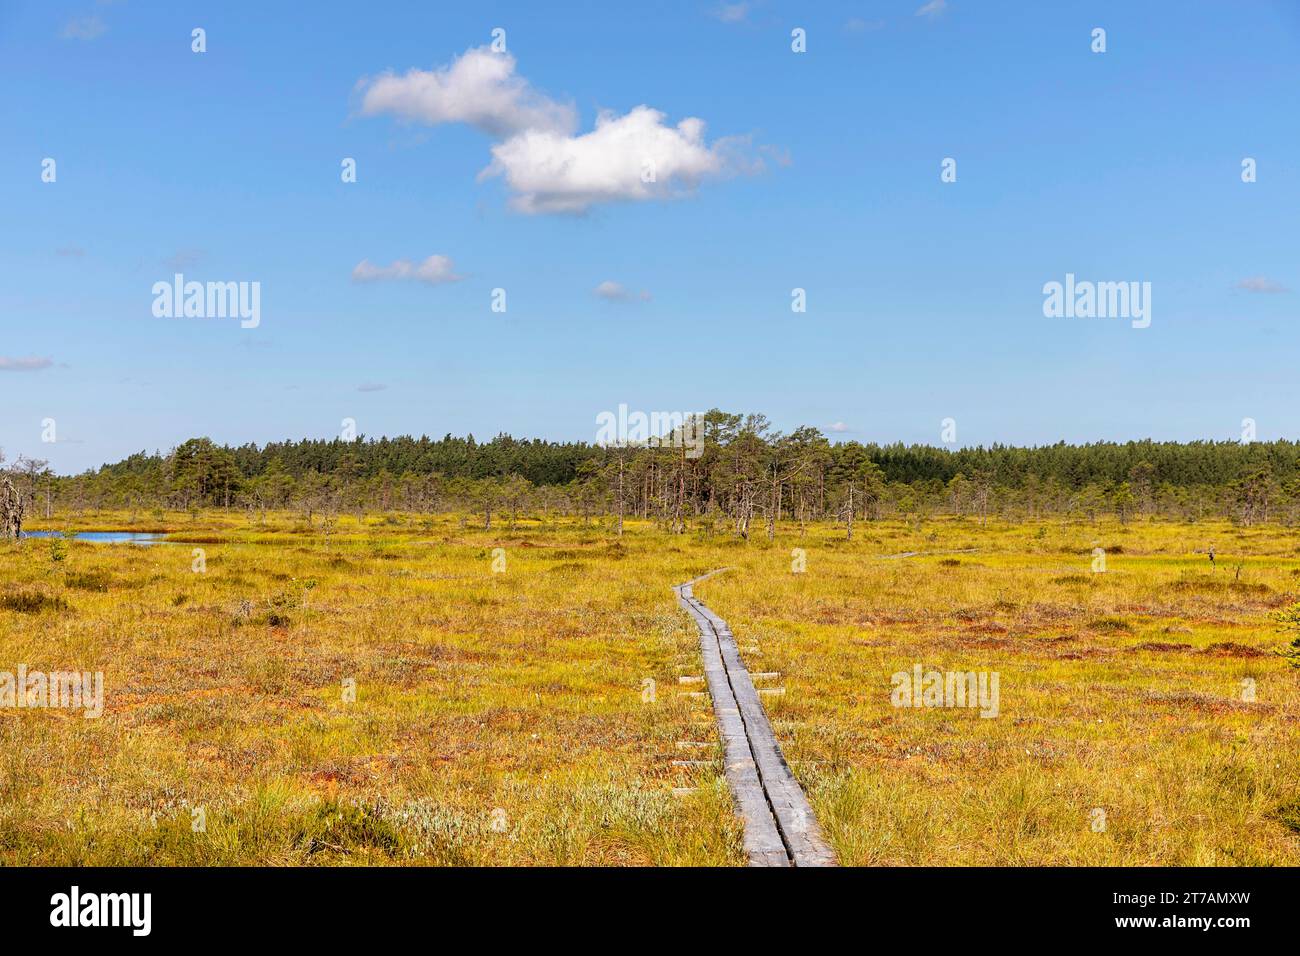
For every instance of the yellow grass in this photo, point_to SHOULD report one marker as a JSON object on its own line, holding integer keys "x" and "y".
{"x": 1121, "y": 692}
{"x": 499, "y": 717}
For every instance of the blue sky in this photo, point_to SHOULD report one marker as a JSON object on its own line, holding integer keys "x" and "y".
{"x": 924, "y": 298}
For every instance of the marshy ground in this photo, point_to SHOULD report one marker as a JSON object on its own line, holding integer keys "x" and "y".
{"x": 532, "y": 714}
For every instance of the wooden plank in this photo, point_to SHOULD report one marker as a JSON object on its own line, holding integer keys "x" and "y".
{"x": 756, "y": 768}
{"x": 762, "y": 838}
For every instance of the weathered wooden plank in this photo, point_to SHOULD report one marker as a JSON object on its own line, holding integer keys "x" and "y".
{"x": 756, "y": 768}
{"x": 762, "y": 838}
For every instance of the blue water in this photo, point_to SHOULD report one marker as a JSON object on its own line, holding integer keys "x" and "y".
{"x": 104, "y": 537}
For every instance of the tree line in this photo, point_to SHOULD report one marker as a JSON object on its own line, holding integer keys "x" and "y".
{"x": 747, "y": 478}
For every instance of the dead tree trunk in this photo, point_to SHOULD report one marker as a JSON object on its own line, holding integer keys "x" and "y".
{"x": 774, "y": 504}
{"x": 620, "y": 496}
{"x": 11, "y": 510}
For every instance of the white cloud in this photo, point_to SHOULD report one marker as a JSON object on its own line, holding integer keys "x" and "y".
{"x": 1261, "y": 284}
{"x": 479, "y": 88}
{"x": 434, "y": 270}
{"x": 839, "y": 427}
{"x": 23, "y": 364}
{"x": 548, "y": 167}
{"x": 612, "y": 291}
{"x": 933, "y": 9}
{"x": 630, "y": 157}
{"x": 83, "y": 28}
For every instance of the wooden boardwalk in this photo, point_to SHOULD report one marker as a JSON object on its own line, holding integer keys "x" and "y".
{"x": 780, "y": 829}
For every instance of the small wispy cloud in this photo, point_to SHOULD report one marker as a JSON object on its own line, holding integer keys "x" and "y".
{"x": 371, "y": 387}
{"x": 779, "y": 155}
{"x": 434, "y": 270}
{"x": 1260, "y": 284}
{"x": 612, "y": 291}
{"x": 83, "y": 28}
{"x": 839, "y": 427}
{"x": 30, "y": 364}
{"x": 933, "y": 10}
{"x": 183, "y": 259}
{"x": 731, "y": 12}
{"x": 859, "y": 25}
